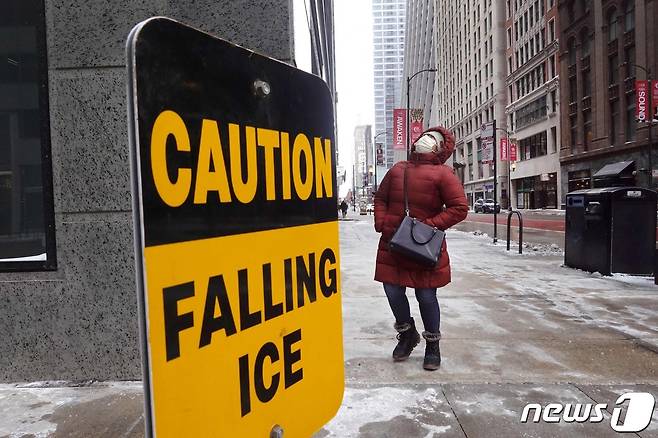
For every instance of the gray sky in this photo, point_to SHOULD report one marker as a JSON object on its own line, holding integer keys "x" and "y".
{"x": 354, "y": 75}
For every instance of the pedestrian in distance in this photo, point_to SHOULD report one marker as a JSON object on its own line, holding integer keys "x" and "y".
{"x": 343, "y": 208}
{"x": 436, "y": 197}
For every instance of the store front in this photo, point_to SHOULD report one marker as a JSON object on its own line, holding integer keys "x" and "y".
{"x": 580, "y": 179}
{"x": 537, "y": 192}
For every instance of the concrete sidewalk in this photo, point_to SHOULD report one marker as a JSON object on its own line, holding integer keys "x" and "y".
{"x": 517, "y": 329}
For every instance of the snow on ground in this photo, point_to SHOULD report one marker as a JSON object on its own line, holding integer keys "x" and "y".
{"x": 25, "y": 409}
{"x": 618, "y": 302}
{"x": 384, "y": 405}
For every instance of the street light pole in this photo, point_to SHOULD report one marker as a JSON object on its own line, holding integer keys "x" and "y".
{"x": 354, "y": 186}
{"x": 408, "y": 115}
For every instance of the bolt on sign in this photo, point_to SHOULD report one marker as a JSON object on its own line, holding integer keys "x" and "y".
{"x": 236, "y": 237}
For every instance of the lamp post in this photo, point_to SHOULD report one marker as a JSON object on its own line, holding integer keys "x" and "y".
{"x": 647, "y": 71}
{"x": 374, "y": 155}
{"x": 354, "y": 186}
{"x": 408, "y": 118}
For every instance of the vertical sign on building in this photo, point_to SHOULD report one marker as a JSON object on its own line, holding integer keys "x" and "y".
{"x": 399, "y": 128}
{"x": 641, "y": 101}
{"x": 416, "y": 117}
{"x": 236, "y": 238}
{"x": 504, "y": 149}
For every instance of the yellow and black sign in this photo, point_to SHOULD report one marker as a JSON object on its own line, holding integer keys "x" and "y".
{"x": 234, "y": 196}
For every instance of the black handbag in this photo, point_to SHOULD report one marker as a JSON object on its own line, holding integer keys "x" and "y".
{"x": 416, "y": 240}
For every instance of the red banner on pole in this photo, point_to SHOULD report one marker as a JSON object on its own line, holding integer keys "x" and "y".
{"x": 504, "y": 150}
{"x": 512, "y": 152}
{"x": 641, "y": 101}
{"x": 416, "y": 117}
{"x": 654, "y": 99}
{"x": 399, "y": 128}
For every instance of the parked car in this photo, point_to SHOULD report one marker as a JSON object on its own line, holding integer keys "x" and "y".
{"x": 488, "y": 206}
{"x": 478, "y": 206}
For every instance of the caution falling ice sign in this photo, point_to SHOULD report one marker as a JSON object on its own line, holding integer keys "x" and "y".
{"x": 234, "y": 195}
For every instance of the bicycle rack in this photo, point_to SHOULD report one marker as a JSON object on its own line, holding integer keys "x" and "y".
{"x": 509, "y": 222}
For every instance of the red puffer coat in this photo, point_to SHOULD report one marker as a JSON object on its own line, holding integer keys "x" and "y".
{"x": 436, "y": 197}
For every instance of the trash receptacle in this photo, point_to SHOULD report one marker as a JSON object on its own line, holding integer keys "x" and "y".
{"x": 611, "y": 229}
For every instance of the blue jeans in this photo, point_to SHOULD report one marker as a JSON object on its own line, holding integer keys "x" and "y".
{"x": 427, "y": 301}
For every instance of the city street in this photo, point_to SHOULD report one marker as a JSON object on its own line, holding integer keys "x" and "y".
{"x": 517, "y": 329}
{"x": 538, "y": 227}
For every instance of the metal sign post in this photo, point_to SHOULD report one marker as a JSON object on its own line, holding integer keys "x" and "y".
{"x": 236, "y": 238}
{"x": 495, "y": 238}
{"x": 488, "y": 139}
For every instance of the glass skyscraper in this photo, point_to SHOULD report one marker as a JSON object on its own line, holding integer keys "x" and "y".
{"x": 389, "y": 20}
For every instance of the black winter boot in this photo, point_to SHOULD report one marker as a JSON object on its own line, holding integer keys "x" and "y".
{"x": 408, "y": 338}
{"x": 432, "y": 360}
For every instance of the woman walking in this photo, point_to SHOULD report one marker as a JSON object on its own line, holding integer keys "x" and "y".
{"x": 436, "y": 197}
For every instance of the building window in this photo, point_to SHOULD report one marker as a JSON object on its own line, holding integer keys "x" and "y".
{"x": 26, "y": 216}
{"x": 585, "y": 43}
{"x": 571, "y": 52}
{"x": 578, "y": 180}
{"x": 587, "y": 128}
{"x": 469, "y": 147}
{"x": 614, "y": 116}
{"x": 551, "y": 30}
{"x": 573, "y": 131}
{"x": 533, "y": 146}
{"x": 587, "y": 83}
{"x": 612, "y": 25}
{"x": 479, "y": 158}
{"x": 531, "y": 113}
{"x": 613, "y": 70}
{"x": 629, "y": 59}
{"x": 573, "y": 90}
{"x": 629, "y": 15}
{"x": 554, "y": 101}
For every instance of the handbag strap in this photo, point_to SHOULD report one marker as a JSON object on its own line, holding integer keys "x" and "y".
{"x": 406, "y": 198}
{"x": 414, "y": 222}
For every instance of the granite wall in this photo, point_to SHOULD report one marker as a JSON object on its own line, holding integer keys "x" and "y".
{"x": 80, "y": 321}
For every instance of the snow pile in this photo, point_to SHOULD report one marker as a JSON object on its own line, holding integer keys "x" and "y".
{"x": 545, "y": 249}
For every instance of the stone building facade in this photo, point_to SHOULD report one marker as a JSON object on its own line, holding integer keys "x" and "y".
{"x": 68, "y": 306}
{"x": 602, "y": 43}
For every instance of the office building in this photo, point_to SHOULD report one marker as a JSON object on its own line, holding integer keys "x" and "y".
{"x": 388, "y": 33}
{"x": 605, "y": 45}
{"x": 420, "y": 54}
{"x": 533, "y": 111}
{"x": 363, "y": 164}
{"x": 471, "y": 88}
